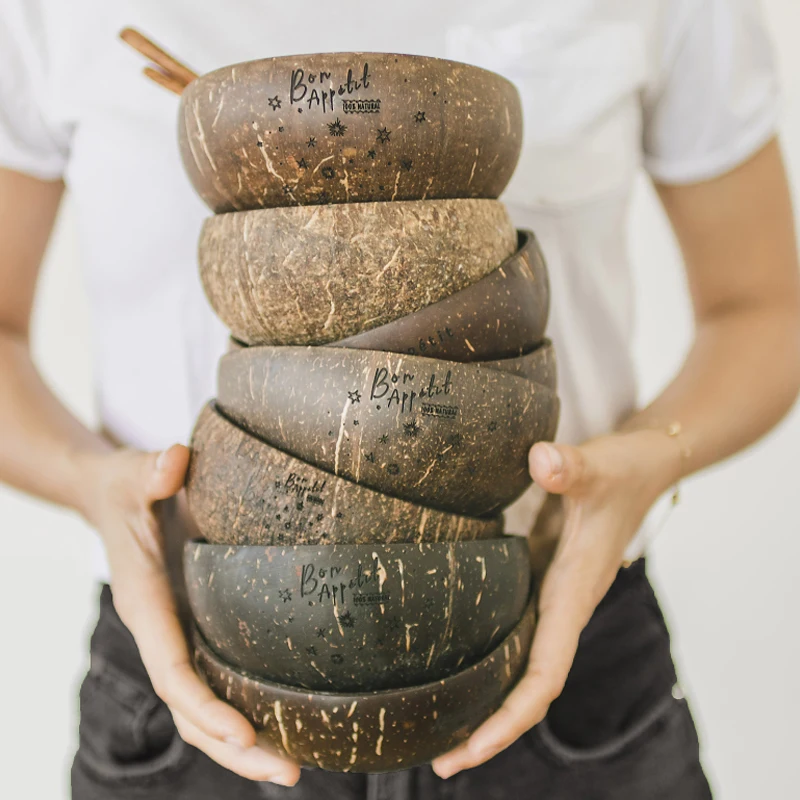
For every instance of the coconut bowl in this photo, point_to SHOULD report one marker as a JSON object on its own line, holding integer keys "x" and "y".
{"x": 357, "y": 617}
{"x": 242, "y": 491}
{"x": 379, "y": 731}
{"x": 501, "y": 316}
{"x": 442, "y": 434}
{"x": 348, "y": 128}
{"x": 295, "y": 276}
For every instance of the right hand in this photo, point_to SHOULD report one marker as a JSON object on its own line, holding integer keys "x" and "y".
{"x": 120, "y": 488}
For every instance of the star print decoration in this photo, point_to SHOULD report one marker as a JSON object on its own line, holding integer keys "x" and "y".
{"x": 312, "y": 141}
{"x": 492, "y": 427}
{"x": 302, "y": 164}
{"x": 328, "y": 172}
{"x": 411, "y": 428}
{"x": 406, "y": 164}
{"x": 321, "y": 632}
{"x": 311, "y": 650}
{"x": 455, "y": 440}
{"x": 420, "y": 117}
{"x": 347, "y": 620}
{"x": 336, "y": 128}
{"x": 383, "y": 136}
{"x": 355, "y": 397}
{"x": 383, "y": 439}
{"x": 371, "y": 154}
{"x": 285, "y": 595}
{"x": 274, "y": 103}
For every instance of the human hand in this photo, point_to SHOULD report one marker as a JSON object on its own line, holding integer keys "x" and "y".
{"x": 120, "y": 489}
{"x": 608, "y": 484}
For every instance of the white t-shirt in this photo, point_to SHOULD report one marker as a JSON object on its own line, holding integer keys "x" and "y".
{"x": 684, "y": 88}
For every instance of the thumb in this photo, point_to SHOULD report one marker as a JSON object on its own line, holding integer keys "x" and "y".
{"x": 559, "y": 468}
{"x": 163, "y": 473}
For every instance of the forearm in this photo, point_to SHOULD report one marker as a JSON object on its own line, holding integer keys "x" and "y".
{"x": 42, "y": 445}
{"x": 740, "y": 378}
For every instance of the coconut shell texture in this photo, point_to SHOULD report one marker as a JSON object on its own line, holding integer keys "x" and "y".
{"x": 377, "y": 731}
{"x": 312, "y": 275}
{"x": 357, "y": 617}
{"x": 242, "y": 491}
{"x": 501, "y": 316}
{"x": 446, "y": 435}
{"x": 538, "y": 366}
{"x": 348, "y": 128}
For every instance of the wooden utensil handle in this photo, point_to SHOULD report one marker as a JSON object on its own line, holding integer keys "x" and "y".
{"x": 167, "y": 81}
{"x": 169, "y": 65}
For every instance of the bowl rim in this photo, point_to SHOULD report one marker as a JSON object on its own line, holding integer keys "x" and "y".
{"x": 257, "y": 62}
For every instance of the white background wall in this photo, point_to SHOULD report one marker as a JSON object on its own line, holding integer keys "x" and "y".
{"x": 725, "y": 565}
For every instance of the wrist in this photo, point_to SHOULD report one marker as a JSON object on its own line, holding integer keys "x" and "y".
{"x": 658, "y": 460}
{"x": 87, "y": 463}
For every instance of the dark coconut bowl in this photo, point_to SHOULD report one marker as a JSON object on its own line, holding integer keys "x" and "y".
{"x": 501, "y": 316}
{"x": 242, "y": 491}
{"x": 538, "y": 365}
{"x": 357, "y": 617}
{"x": 297, "y": 276}
{"x": 446, "y": 435}
{"x": 377, "y": 731}
{"x": 348, "y": 128}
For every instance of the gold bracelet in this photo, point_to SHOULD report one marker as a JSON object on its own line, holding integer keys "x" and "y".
{"x": 674, "y": 431}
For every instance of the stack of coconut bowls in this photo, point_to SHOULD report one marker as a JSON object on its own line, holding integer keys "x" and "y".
{"x": 354, "y": 594}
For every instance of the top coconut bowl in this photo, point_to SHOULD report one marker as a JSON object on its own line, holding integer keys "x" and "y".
{"x": 348, "y": 128}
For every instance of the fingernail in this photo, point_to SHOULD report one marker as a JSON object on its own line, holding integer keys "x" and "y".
{"x": 547, "y": 459}
{"x": 555, "y": 459}
{"x": 282, "y": 780}
{"x": 161, "y": 461}
{"x": 234, "y": 742}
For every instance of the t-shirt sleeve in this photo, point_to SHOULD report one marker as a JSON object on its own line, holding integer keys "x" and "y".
{"x": 715, "y": 100}
{"x": 29, "y": 141}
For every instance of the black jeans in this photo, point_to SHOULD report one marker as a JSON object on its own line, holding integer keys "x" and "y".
{"x": 621, "y": 729}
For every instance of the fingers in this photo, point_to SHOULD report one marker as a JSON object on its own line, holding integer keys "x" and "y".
{"x": 254, "y": 763}
{"x": 563, "y": 615}
{"x": 559, "y": 468}
{"x": 147, "y": 609}
{"x": 164, "y": 472}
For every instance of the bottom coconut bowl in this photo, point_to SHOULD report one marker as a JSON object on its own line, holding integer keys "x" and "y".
{"x": 379, "y": 731}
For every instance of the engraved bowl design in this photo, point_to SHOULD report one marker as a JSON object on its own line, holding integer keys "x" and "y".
{"x": 357, "y": 617}
{"x": 348, "y": 128}
{"x": 242, "y": 491}
{"x": 446, "y": 435}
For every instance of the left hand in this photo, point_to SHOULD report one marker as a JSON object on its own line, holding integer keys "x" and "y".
{"x": 608, "y": 484}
